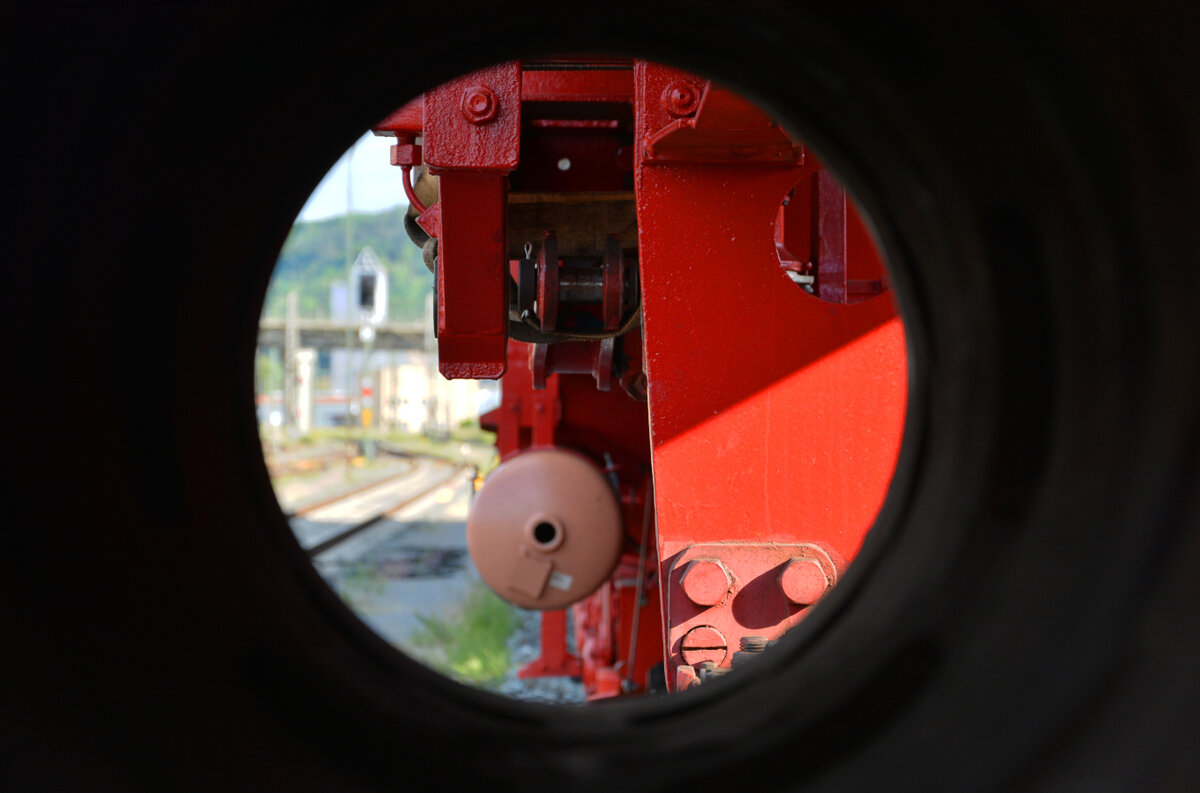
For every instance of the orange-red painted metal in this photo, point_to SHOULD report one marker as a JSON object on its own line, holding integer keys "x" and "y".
{"x": 804, "y": 581}
{"x": 555, "y": 658}
{"x": 769, "y": 348}
{"x": 775, "y": 416}
{"x": 706, "y": 582}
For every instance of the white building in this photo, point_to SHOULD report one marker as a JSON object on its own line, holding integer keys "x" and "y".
{"x": 414, "y": 397}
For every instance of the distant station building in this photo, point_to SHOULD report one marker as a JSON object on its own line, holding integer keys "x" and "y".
{"x": 414, "y": 397}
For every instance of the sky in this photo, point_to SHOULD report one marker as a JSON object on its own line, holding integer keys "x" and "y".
{"x": 375, "y": 183}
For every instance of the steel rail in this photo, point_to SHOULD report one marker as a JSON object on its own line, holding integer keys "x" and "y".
{"x": 354, "y": 529}
{"x": 307, "y": 508}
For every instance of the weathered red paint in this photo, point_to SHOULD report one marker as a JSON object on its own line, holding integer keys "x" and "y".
{"x": 456, "y": 138}
{"x": 706, "y": 582}
{"x": 755, "y": 603}
{"x": 804, "y": 581}
{"x": 703, "y": 643}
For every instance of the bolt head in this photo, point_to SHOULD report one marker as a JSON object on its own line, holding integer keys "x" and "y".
{"x": 803, "y": 581}
{"x": 479, "y": 104}
{"x": 680, "y": 99}
{"x": 703, "y": 644}
{"x": 706, "y": 582}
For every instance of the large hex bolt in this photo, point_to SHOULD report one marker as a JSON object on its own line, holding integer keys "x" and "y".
{"x": 680, "y": 99}
{"x": 479, "y": 104}
{"x": 701, "y": 644}
{"x": 706, "y": 581}
{"x": 803, "y": 581}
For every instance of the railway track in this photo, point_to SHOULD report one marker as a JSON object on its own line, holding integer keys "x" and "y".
{"x": 308, "y": 508}
{"x": 322, "y": 526}
{"x": 318, "y": 460}
{"x": 303, "y": 465}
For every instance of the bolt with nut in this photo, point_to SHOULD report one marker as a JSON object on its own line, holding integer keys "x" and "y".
{"x": 479, "y": 104}
{"x": 680, "y": 99}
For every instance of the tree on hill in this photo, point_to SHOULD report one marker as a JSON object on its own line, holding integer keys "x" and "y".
{"x": 314, "y": 257}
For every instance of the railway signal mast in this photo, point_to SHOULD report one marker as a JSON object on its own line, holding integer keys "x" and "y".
{"x": 369, "y": 293}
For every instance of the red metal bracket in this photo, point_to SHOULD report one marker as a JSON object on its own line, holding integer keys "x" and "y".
{"x": 555, "y": 659}
{"x": 472, "y": 276}
{"x": 775, "y": 416}
{"x": 471, "y": 141}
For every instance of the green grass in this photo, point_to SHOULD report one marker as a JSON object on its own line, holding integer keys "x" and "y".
{"x": 471, "y": 645}
{"x": 480, "y": 450}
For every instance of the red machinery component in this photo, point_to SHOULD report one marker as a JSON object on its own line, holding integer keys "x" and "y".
{"x": 694, "y": 255}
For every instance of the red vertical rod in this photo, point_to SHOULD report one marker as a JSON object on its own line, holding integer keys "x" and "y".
{"x": 555, "y": 659}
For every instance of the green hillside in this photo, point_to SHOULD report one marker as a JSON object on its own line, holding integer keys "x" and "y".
{"x": 314, "y": 256}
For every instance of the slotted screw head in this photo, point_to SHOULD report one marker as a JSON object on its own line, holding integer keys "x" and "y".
{"x": 703, "y": 644}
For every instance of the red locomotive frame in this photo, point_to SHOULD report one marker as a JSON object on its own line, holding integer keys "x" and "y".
{"x": 672, "y": 285}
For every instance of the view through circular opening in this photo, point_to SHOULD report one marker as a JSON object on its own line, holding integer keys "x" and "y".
{"x": 620, "y": 244}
